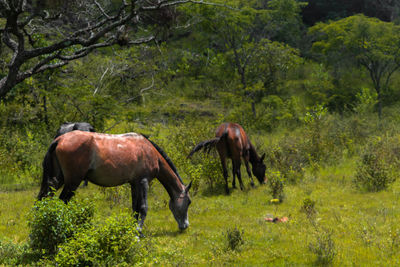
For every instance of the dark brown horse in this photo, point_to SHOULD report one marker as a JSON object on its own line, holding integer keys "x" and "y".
{"x": 231, "y": 141}
{"x": 73, "y": 126}
{"x": 112, "y": 160}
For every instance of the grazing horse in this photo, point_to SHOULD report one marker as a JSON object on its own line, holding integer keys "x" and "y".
{"x": 231, "y": 141}
{"x": 111, "y": 160}
{"x": 72, "y": 126}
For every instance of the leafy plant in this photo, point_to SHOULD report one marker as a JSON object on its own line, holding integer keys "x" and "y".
{"x": 52, "y": 223}
{"x": 323, "y": 247}
{"x": 112, "y": 243}
{"x": 13, "y": 254}
{"x": 373, "y": 173}
{"x": 289, "y": 158}
{"x": 378, "y": 164}
{"x": 308, "y": 208}
{"x": 276, "y": 185}
{"x": 235, "y": 238}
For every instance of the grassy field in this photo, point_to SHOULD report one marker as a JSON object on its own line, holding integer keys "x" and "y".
{"x": 349, "y": 227}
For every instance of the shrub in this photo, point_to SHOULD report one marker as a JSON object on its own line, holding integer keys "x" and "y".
{"x": 113, "y": 243}
{"x": 323, "y": 247}
{"x": 375, "y": 171}
{"x": 235, "y": 238}
{"x": 13, "y": 254}
{"x": 289, "y": 158}
{"x": 308, "y": 208}
{"x": 202, "y": 168}
{"x": 52, "y": 222}
{"x": 276, "y": 185}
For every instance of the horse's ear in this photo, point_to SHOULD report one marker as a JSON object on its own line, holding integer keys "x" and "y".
{"x": 262, "y": 157}
{"x": 188, "y": 187}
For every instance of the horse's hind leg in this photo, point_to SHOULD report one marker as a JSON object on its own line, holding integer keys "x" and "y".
{"x": 68, "y": 191}
{"x": 236, "y": 170}
{"x": 225, "y": 173}
{"x": 233, "y": 174}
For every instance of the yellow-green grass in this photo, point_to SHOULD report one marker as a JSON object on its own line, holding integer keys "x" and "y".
{"x": 364, "y": 226}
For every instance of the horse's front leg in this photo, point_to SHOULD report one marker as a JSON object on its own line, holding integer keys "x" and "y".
{"x": 249, "y": 172}
{"x": 139, "y": 200}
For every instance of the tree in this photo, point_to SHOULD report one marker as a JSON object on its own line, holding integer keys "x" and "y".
{"x": 368, "y": 42}
{"x": 241, "y": 35}
{"x": 41, "y": 35}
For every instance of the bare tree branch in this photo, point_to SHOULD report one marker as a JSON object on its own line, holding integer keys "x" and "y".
{"x": 59, "y": 35}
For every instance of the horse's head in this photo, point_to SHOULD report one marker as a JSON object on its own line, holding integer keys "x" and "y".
{"x": 179, "y": 207}
{"x": 259, "y": 169}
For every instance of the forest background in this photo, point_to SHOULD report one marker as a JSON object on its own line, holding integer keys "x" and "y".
{"x": 315, "y": 84}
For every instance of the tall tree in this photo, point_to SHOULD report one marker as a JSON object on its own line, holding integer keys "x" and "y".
{"x": 42, "y": 35}
{"x": 242, "y": 36}
{"x": 368, "y": 42}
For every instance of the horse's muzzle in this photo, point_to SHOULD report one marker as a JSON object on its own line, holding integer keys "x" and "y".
{"x": 184, "y": 226}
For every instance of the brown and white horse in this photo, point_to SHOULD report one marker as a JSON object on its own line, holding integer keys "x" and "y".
{"x": 111, "y": 160}
{"x": 231, "y": 141}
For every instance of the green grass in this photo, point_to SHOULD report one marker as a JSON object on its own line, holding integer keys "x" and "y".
{"x": 364, "y": 226}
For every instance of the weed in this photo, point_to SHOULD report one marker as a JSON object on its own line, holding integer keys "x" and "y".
{"x": 323, "y": 247}
{"x": 235, "y": 238}
{"x": 308, "y": 208}
{"x": 276, "y": 185}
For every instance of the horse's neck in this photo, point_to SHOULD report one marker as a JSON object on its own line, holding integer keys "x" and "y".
{"x": 253, "y": 154}
{"x": 170, "y": 180}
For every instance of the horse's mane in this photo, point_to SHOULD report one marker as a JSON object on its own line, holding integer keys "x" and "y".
{"x": 253, "y": 154}
{"x": 165, "y": 156}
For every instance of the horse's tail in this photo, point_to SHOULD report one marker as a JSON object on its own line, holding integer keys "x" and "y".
{"x": 208, "y": 144}
{"x": 48, "y": 170}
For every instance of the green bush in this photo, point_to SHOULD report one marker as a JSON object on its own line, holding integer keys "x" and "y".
{"x": 115, "y": 242}
{"x": 289, "y": 158}
{"x": 235, "y": 238}
{"x": 308, "y": 208}
{"x": 378, "y": 164}
{"x": 12, "y": 254}
{"x": 52, "y": 222}
{"x": 21, "y": 153}
{"x": 276, "y": 185}
{"x": 202, "y": 168}
{"x": 373, "y": 173}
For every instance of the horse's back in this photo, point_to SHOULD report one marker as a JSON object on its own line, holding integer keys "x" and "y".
{"x": 236, "y": 141}
{"x": 101, "y": 157}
